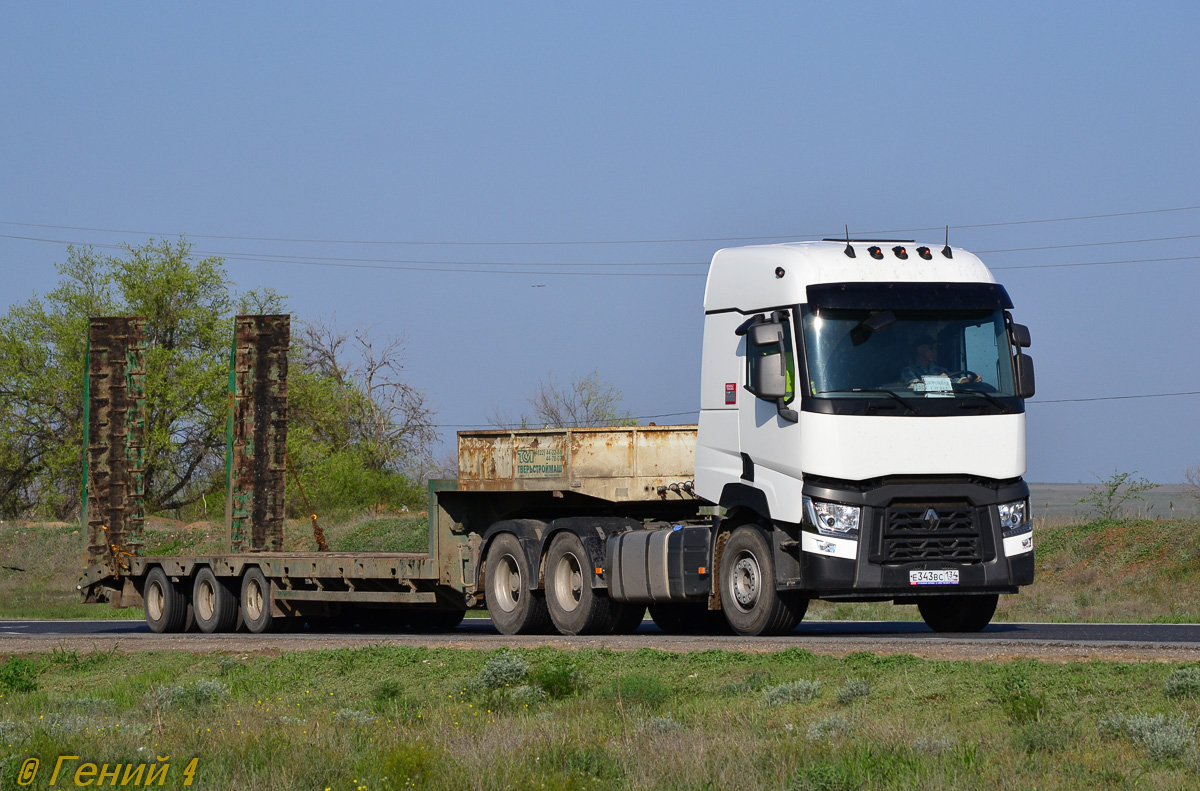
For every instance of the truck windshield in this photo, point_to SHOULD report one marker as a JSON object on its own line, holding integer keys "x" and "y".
{"x": 907, "y": 354}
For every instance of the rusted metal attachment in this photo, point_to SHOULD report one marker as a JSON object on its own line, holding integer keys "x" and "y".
{"x": 257, "y": 435}
{"x": 636, "y": 463}
{"x": 113, "y": 501}
{"x": 318, "y": 533}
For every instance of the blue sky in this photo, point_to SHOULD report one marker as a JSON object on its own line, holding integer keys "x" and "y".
{"x": 469, "y": 123}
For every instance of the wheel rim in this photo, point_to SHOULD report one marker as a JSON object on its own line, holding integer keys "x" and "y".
{"x": 155, "y": 601}
{"x": 254, "y": 600}
{"x": 205, "y": 600}
{"x": 568, "y": 582}
{"x": 506, "y": 583}
{"x": 746, "y": 581}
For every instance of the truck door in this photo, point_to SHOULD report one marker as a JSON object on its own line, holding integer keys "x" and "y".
{"x": 767, "y": 423}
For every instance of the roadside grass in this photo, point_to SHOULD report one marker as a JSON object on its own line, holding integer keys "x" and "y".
{"x": 1128, "y": 570}
{"x": 386, "y": 717}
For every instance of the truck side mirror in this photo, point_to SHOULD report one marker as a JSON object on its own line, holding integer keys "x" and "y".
{"x": 1025, "y": 379}
{"x": 1020, "y": 336}
{"x": 768, "y": 381}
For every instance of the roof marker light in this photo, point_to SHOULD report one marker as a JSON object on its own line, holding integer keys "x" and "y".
{"x": 900, "y": 252}
{"x": 875, "y": 252}
{"x": 924, "y": 253}
{"x": 779, "y": 271}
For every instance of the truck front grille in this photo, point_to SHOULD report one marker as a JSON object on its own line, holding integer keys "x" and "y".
{"x": 931, "y": 531}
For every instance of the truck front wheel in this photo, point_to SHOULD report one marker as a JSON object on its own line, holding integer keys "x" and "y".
{"x": 166, "y": 606}
{"x": 752, "y": 605}
{"x": 958, "y": 613}
{"x": 513, "y": 607}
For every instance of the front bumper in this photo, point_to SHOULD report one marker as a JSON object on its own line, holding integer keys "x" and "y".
{"x": 894, "y": 540}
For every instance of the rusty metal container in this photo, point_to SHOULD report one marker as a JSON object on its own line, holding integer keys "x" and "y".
{"x": 627, "y": 464}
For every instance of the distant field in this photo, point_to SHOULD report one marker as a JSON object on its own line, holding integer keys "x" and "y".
{"x": 1060, "y": 501}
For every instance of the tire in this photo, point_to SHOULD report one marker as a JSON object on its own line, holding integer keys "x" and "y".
{"x": 575, "y": 606}
{"x": 958, "y": 613}
{"x": 514, "y": 608}
{"x": 214, "y": 604}
{"x": 165, "y": 605}
{"x": 752, "y": 605}
{"x": 688, "y": 618}
{"x": 627, "y": 617}
{"x": 256, "y": 601}
{"x": 434, "y": 621}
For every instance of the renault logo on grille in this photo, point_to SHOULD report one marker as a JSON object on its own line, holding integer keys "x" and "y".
{"x": 931, "y": 518}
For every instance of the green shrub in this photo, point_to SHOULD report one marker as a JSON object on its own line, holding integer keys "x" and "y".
{"x": 751, "y": 683}
{"x": 528, "y": 695}
{"x": 506, "y": 669}
{"x": 1183, "y": 683}
{"x": 354, "y": 717}
{"x": 829, "y": 729}
{"x": 853, "y": 690}
{"x": 19, "y": 675}
{"x": 1160, "y": 736}
{"x": 793, "y": 692}
{"x": 1036, "y": 737}
{"x": 824, "y": 777}
{"x": 560, "y": 678}
{"x": 592, "y": 761}
{"x": 409, "y": 766}
{"x": 636, "y": 690}
{"x": 660, "y": 725}
{"x": 196, "y": 695}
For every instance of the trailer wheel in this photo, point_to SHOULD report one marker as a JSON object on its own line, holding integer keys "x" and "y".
{"x": 215, "y": 605}
{"x": 166, "y": 606}
{"x": 958, "y": 613}
{"x": 514, "y": 608}
{"x": 752, "y": 605}
{"x": 256, "y": 601}
{"x": 575, "y": 606}
{"x": 688, "y": 618}
{"x": 434, "y": 621}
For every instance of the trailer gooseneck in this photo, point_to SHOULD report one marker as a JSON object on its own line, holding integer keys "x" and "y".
{"x": 861, "y": 438}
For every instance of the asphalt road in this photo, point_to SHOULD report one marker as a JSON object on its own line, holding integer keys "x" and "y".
{"x": 892, "y": 634}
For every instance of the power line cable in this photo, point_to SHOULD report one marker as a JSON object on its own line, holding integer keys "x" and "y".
{"x": 455, "y": 266}
{"x": 1087, "y": 244}
{"x": 1113, "y": 398}
{"x": 437, "y": 243}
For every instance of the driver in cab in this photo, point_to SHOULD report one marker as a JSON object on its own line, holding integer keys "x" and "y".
{"x": 925, "y": 352}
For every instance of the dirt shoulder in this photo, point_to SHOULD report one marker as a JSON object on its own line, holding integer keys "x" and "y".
{"x": 932, "y": 648}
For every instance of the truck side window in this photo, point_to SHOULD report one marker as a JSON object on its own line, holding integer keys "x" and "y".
{"x": 769, "y": 355}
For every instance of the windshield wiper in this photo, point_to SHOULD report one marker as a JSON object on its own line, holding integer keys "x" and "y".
{"x": 903, "y": 403}
{"x": 988, "y": 396}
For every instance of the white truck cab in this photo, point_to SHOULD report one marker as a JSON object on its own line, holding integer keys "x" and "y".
{"x": 863, "y": 403}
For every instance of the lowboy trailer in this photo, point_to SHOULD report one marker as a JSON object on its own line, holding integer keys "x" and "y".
{"x": 861, "y": 438}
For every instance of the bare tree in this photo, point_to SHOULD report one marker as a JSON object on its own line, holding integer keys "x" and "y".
{"x": 379, "y": 411}
{"x": 1191, "y": 477}
{"x": 588, "y": 401}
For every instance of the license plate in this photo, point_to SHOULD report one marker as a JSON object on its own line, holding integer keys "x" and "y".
{"x": 934, "y": 577}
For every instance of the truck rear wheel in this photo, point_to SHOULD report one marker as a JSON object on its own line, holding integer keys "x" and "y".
{"x": 958, "y": 613}
{"x": 256, "y": 601}
{"x": 575, "y": 606}
{"x": 215, "y": 605}
{"x": 166, "y": 606}
{"x": 752, "y": 605}
{"x": 514, "y": 608}
{"x": 627, "y": 617}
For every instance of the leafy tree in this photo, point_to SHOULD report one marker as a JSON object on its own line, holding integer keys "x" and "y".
{"x": 1107, "y": 498}
{"x": 43, "y": 345}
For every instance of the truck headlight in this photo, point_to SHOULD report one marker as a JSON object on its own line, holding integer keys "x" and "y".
{"x": 1012, "y": 515}
{"x": 833, "y": 519}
